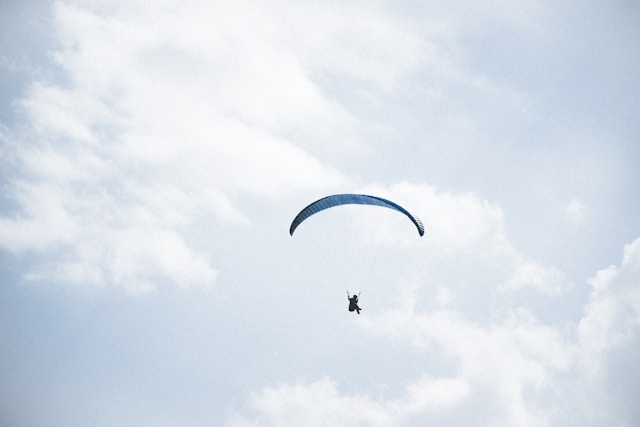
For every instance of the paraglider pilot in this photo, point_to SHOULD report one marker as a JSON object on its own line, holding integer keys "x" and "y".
{"x": 353, "y": 303}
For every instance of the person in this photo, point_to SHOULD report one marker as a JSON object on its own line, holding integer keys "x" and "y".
{"x": 353, "y": 303}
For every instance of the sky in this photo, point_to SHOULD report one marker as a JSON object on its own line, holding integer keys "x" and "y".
{"x": 154, "y": 154}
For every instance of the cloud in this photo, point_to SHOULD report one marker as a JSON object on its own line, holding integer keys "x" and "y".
{"x": 508, "y": 362}
{"x": 529, "y": 273}
{"x": 611, "y": 321}
{"x": 498, "y": 369}
{"x": 576, "y": 211}
{"x": 166, "y": 135}
{"x": 321, "y": 403}
{"x": 457, "y": 300}
{"x": 155, "y": 130}
{"x": 513, "y": 370}
{"x": 344, "y": 46}
{"x": 172, "y": 114}
{"x": 458, "y": 226}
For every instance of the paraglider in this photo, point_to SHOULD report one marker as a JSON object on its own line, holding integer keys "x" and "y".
{"x": 353, "y": 303}
{"x": 351, "y": 199}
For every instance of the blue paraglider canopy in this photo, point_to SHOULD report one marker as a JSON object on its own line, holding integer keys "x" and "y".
{"x": 351, "y": 199}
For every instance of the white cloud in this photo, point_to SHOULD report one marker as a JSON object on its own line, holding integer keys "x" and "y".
{"x": 373, "y": 45}
{"x": 168, "y": 121}
{"x": 171, "y": 113}
{"x": 498, "y": 369}
{"x": 321, "y": 403}
{"x": 576, "y": 211}
{"x": 161, "y": 151}
{"x": 513, "y": 370}
{"x": 529, "y": 273}
{"x": 157, "y": 128}
{"x": 502, "y": 358}
{"x": 317, "y": 404}
{"x": 611, "y": 321}
{"x": 459, "y": 225}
